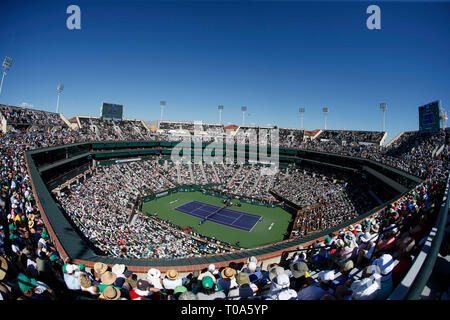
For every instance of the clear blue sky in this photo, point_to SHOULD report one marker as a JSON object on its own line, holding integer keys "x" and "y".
{"x": 273, "y": 57}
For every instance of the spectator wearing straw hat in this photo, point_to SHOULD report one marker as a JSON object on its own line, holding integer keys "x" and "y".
{"x": 87, "y": 286}
{"x": 110, "y": 293}
{"x": 99, "y": 269}
{"x": 227, "y": 280}
{"x": 317, "y": 290}
{"x": 171, "y": 280}
{"x": 4, "y": 291}
{"x": 108, "y": 278}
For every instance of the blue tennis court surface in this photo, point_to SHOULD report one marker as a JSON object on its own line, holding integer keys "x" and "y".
{"x": 227, "y": 217}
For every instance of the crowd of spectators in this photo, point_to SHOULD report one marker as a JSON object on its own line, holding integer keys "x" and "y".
{"x": 328, "y": 197}
{"x": 366, "y": 261}
{"x": 350, "y": 136}
{"x": 172, "y": 125}
{"x": 23, "y": 116}
{"x": 113, "y": 130}
{"x": 101, "y": 208}
{"x": 249, "y": 181}
{"x": 290, "y": 138}
{"x": 411, "y": 152}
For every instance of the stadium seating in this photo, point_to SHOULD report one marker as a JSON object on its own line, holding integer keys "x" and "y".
{"x": 367, "y": 260}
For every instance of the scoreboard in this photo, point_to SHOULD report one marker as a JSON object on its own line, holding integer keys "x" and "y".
{"x": 110, "y": 111}
{"x": 429, "y": 116}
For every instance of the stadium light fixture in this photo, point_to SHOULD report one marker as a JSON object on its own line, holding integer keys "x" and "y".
{"x": 59, "y": 89}
{"x": 243, "y": 109}
{"x": 163, "y": 105}
{"x": 220, "y": 113}
{"x": 302, "y": 112}
{"x": 325, "y": 112}
{"x": 5, "y": 66}
{"x": 383, "y": 108}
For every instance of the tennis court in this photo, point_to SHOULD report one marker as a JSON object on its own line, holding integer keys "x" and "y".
{"x": 271, "y": 229}
{"x": 224, "y": 216}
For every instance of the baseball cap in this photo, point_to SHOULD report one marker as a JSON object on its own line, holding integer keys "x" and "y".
{"x": 207, "y": 282}
{"x": 179, "y": 289}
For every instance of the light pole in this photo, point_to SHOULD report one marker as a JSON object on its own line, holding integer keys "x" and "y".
{"x": 59, "y": 89}
{"x": 220, "y": 113}
{"x": 162, "y": 104}
{"x": 383, "y": 108}
{"x": 302, "y": 112}
{"x": 5, "y": 66}
{"x": 243, "y": 109}
{"x": 325, "y": 112}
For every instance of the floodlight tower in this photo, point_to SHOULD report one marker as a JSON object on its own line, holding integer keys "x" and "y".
{"x": 325, "y": 112}
{"x": 243, "y": 109}
{"x": 5, "y": 66}
{"x": 383, "y": 108}
{"x": 302, "y": 112}
{"x": 59, "y": 89}
{"x": 162, "y": 104}
{"x": 220, "y": 113}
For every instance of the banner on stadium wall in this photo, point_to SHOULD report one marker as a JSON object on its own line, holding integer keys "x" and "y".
{"x": 429, "y": 116}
